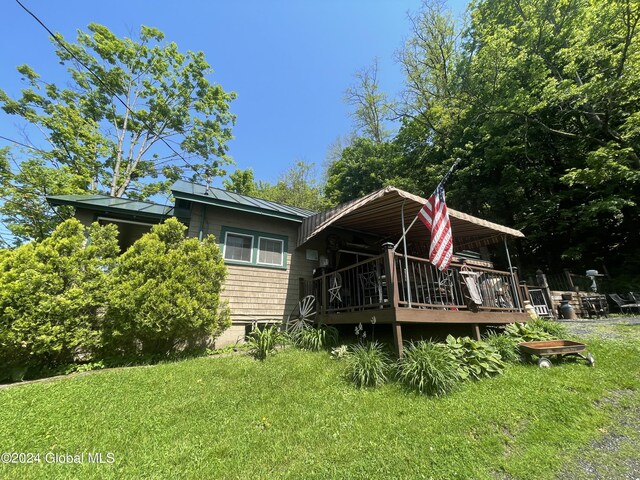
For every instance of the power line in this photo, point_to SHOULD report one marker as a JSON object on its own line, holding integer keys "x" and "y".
{"x": 23, "y": 144}
{"x": 97, "y": 77}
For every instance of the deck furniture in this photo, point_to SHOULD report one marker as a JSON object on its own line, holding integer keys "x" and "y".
{"x": 622, "y": 304}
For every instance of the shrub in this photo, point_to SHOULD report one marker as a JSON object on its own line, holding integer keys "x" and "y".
{"x": 429, "y": 367}
{"x": 314, "y": 339}
{"x": 526, "y": 332}
{"x": 505, "y": 345}
{"x": 553, "y": 328}
{"x": 477, "y": 359}
{"x": 368, "y": 365}
{"x": 165, "y": 294}
{"x": 263, "y": 341}
{"x": 51, "y": 295}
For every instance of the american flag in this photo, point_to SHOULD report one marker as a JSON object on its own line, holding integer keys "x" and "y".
{"x": 435, "y": 216}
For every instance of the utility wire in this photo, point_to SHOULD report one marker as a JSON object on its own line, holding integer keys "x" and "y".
{"x": 97, "y": 77}
{"x": 23, "y": 144}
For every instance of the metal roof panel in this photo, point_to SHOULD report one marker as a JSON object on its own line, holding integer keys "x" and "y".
{"x": 224, "y": 198}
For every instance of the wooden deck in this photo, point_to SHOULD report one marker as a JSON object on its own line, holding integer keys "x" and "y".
{"x": 401, "y": 291}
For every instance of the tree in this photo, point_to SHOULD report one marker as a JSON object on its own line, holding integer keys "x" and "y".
{"x": 242, "y": 182}
{"x": 165, "y": 294}
{"x": 140, "y": 116}
{"x": 371, "y": 107}
{"x": 296, "y": 187}
{"x": 540, "y": 99}
{"x": 366, "y": 166}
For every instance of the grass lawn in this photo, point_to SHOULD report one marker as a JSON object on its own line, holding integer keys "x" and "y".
{"x": 294, "y": 416}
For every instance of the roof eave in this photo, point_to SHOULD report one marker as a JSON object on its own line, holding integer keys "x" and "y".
{"x": 109, "y": 210}
{"x": 235, "y": 206}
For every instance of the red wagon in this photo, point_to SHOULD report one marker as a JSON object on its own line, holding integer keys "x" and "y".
{"x": 548, "y": 348}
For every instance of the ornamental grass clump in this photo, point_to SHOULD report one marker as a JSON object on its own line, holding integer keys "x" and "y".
{"x": 430, "y": 368}
{"x": 315, "y": 339}
{"x": 368, "y": 365}
{"x": 263, "y": 341}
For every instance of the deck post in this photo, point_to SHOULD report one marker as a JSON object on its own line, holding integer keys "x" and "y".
{"x": 475, "y": 329}
{"x": 390, "y": 272}
{"x": 393, "y": 293}
{"x": 397, "y": 338}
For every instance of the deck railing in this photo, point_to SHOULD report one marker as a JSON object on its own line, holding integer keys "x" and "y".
{"x": 390, "y": 280}
{"x": 357, "y": 287}
{"x": 421, "y": 285}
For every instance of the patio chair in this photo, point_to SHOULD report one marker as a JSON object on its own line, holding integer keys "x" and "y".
{"x": 635, "y": 297}
{"x": 474, "y": 297}
{"x": 622, "y": 304}
{"x": 370, "y": 287}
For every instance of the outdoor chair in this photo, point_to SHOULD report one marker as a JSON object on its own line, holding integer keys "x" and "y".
{"x": 622, "y": 305}
{"x": 474, "y": 297}
{"x": 370, "y": 287}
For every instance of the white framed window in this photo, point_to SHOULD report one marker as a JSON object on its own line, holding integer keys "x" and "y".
{"x": 241, "y": 246}
{"x": 270, "y": 251}
{"x": 238, "y": 247}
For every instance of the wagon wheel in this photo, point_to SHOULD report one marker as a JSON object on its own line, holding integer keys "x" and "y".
{"x": 302, "y": 316}
{"x": 591, "y": 360}
{"x": 544, "y": 362}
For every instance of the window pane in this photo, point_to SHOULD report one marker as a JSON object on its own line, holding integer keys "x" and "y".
{"x": 238, "y": 247}
{"x": 270, "y": 251}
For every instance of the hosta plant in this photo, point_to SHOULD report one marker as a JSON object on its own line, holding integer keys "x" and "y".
{"x": 505, "y": 345}
{"x": 526, "y": 332}
{"x": 553, "y": 328}
{"x": 477, "y": 359}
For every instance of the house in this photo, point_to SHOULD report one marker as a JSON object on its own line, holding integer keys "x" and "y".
{"x": 346, "y": 258}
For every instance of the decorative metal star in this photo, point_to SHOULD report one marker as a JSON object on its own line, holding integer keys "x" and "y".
{"x": 334, "y": 290}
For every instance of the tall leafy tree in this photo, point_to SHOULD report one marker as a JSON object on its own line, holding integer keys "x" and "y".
{"x": 138, "y": 114}
{"x": 242, "y": 182}
{"x": 371, "y": 107}
{"x": 540, "y": 99}
{"x": 366, "y": 166}
{"x": 296, "y": 187}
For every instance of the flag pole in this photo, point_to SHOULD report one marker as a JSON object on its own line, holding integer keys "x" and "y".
{"x": 442, "y": 182}
{"x": 406, "y": 261}
{"x": 516, "y": 297}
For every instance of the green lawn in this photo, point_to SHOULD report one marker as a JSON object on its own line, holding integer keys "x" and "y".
{"x": 294, "y": 416}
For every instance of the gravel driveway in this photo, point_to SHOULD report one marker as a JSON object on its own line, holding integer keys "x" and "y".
{"x": 598, "y": 326}
{"x": 615, "y": 455}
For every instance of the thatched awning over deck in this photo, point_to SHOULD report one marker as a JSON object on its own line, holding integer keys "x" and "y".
{"x": 379, "y": 213}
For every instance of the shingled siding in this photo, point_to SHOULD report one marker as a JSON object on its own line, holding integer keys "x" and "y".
{"x": 257, "y": 293}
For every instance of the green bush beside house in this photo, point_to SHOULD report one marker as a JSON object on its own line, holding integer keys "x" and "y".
{"x": 70, "y": 299}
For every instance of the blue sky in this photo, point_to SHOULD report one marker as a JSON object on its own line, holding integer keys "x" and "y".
{"x": 288, "y": 61}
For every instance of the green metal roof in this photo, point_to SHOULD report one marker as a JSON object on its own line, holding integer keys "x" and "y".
{"x": 115, "y": 205}
{"x": 222, "y": 198}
